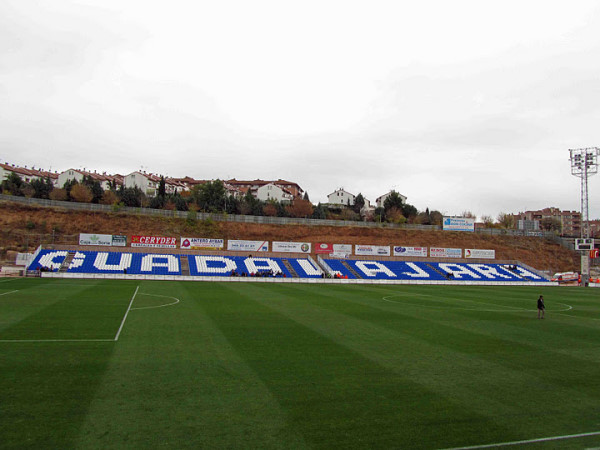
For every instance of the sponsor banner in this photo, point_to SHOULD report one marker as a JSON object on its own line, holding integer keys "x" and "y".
{"x": 410, "y": 251}
{"x": 201, "y": 244}
{"x": 342, "y": 248}
{"x": 23, "y": 259}
{"x": 478, "y": 253}
{"x": 458, "y": 224}
{"x": 95, "y": 239}
{"x": 248, "y": 246}
{"x": 154, "y": 241}
{"x": 322, "y": 247}
{"x": 435, "y": 252}
{"x": 377, "y": 250}
{"x": 292, "y": 247}
{"x": 119, "y": 240}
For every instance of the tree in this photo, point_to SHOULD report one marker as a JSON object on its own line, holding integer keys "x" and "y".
{"x": 350, "y": 215}
{"x": 68, "y": 186}
{"x": 95, "y": 188}
{"x": 488, "y": 221}
{"x": 319, "y": 212}
{"x": 409, "y": 211}
{"x": 306, "y": 196}
{"x": 300, "y": 208}
{"x": 162, "y": 187}
{"x": 550, "y": 224}
{"x": 131, "y": 196}
{"x": 423, "y": 218}
{"x": 468, "y": 215}
{"x": 13, "y": 184}
{"x": 379, "y": 214}
{"x": 41, "y": 188}
{"x": 394, "y": 215}
{"x": 81, "y": 193}
{"x": 58, "y": 194}
{"x": 393, "y": 201}
{"x": 506, "y": 220}
{"x": 359, "y": 203}
{"x": 270, "y": 209}
{"x": 109, "y": 198}
{"x": 436, "y": 218}
{"x": 211, "y": 196}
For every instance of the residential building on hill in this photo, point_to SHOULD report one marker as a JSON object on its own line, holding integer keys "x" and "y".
{"x": 570, "y": 221}
{"x": 379, "y": 201}
{"x": 341, "y": 197}
{"x": 27, "y": 175}
{"x": 253, "y": 185}
{"x": 106, "y": 181}
{"x": 274, "y": 192}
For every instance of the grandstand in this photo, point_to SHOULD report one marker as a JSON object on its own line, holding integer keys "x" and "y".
{"x": 132, "y": 264}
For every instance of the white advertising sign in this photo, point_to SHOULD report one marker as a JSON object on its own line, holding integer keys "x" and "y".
{"x": 343, "y": 248}
{"x": 435, "y": 252}
{"x": 479, "y": 253}
{"x": 459, "y": 224}
{"x": 248, "y": 246}
{"x": 377, "y": 250}
{"x": 201, "y": 244}
{"x": 410, "y": 251}
{"x": 95, "y": 239}
{"x": 23, "y": 259}
{"x": 292, "y": 247}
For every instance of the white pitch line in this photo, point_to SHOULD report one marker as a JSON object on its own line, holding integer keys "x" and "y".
{"x": 6, "y": 281}
{"x": 126, "y": 312}
{"x": 56, "y": 340}
{"x": 158, "y": 306}
{"x": 6, "y": 293}
{"x": 527, "y": 441}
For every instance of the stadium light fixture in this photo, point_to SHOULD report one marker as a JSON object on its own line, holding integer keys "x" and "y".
{"x": 584, "y": 164}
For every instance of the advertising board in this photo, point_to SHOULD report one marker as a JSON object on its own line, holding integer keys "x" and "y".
{"x": 373, "y": 250}
{"x": 292, "y": 247}
{"x": 458, "y": 224}
{"x": 188, "y": 243}
{"x": 342, "y": 248}
{"x": 436, "y": 252}
{"x": 410, "y": 251}
{"x": 479, "y": 253}
{"x": 95, "y": 239}
{"x": 248, "y": 246}
{"x": 322, "y": 247}
{"x": 154, "y": 241}
{"x": 119, "y": 240}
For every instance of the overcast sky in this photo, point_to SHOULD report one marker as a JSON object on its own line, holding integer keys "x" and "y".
{"x": 458, "y": 105}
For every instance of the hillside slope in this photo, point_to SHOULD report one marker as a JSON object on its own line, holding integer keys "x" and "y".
{"x": 23, "y": 228}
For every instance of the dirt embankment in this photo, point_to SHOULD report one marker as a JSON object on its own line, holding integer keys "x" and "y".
{"x": 23, "y": 228}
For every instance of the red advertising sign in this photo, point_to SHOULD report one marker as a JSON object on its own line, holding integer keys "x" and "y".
{"x": 154, "y": 241}
{"x": 322, "y": 247}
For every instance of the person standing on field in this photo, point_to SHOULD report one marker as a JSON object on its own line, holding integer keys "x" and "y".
{"x": 541, "y": 307}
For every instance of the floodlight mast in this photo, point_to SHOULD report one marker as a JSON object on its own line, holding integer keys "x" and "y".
{"x": 584, "y": 164}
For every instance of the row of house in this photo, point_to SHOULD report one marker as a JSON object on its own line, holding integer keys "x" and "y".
{"x": 278, "y": 190}
{"x": 344, "y": 198}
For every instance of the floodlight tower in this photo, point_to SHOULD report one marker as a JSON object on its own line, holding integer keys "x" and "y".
{"x": 584, "y": 164}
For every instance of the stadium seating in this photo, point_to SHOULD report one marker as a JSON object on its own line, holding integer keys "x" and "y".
{"x": 433, "y": 271}
{"x": 223, "y": 266}
{"x": 99, "y": 262}
{"x": 48, "y": 260}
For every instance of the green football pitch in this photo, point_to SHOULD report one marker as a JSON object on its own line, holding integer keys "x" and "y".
{"x": 128, "y": 364}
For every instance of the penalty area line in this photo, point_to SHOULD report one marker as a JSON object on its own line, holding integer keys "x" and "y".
{"x": 527, "y": 441}
{"x": 11, "y": 292}
{"x": 126, "y": 312}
